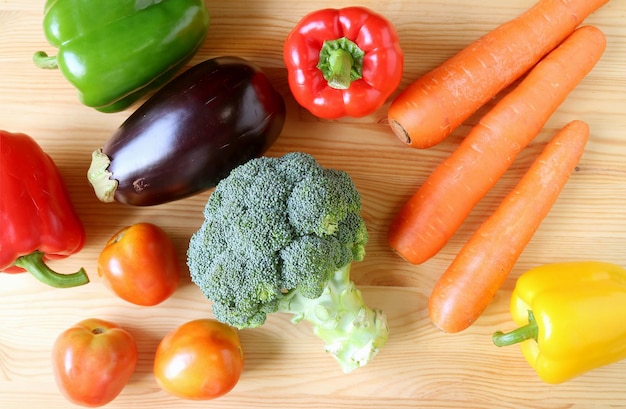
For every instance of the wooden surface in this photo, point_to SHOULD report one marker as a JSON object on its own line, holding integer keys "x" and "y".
{"x": 285, "y": 365}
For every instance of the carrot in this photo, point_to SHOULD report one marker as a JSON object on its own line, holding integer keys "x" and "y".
{"x": 438, "y": 208}
{"x": 467, "y": 287}
{"x": 428, "y": 110}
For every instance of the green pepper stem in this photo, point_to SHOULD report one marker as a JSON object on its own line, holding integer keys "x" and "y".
{"x": 43, "y": 60}
{"x": 341, "y": 62}
{"x": 528, "y": 331}
{"x": 34, "y": 264}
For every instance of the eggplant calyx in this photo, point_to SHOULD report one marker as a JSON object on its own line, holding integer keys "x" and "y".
{"x": 100, "y": 178}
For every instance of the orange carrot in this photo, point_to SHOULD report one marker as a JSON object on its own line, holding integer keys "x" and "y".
{"x": 439, "y": 207}
{"x": 427, "y": 111}
{"x": 467, "y": 287}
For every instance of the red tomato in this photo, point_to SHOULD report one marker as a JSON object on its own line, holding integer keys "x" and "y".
{"x": 140, "y": 264}
{"x": 93, "y": 361}
{"x": 201, "y": 359}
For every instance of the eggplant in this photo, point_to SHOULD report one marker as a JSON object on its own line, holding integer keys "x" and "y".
{"x": 189, "y": 135}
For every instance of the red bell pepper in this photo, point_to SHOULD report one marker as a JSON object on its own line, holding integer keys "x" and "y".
{"x": 37, "y": 219}
{"x": 343, "y": 62}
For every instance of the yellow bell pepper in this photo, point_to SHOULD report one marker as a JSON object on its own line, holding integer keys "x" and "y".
{"x": 572, "y": 317}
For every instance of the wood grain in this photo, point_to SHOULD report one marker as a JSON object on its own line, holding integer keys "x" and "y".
{"x": 285, "y": 365}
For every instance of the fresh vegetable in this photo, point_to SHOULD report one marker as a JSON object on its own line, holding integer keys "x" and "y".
{"x": 439, "y": 207}
{"x": 190, "y": 134}
{"x": 39, "y": 221}
{"x": 140, "y": 264}
{"x": 572, "y": 318}
{"x": 93, "y": 361}
{"x": 343, "y": 62}
{"x": 280, "y": 235}
{"x": 116, "y": 52}
{"x": 201, "y": 359}
{"x": 467, "y": 287}
{"x": 428, "y": 110}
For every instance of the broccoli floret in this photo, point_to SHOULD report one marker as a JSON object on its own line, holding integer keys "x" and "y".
{"x": 280, "y": 235}
{"x": 319, "y": 202}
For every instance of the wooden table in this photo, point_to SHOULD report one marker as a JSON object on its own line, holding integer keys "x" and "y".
{"x": 285, "y": 364}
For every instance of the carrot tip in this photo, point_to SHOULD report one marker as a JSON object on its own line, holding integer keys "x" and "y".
{"x": 400, "y": 132}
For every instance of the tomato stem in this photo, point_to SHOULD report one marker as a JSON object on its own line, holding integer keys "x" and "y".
{"x": 34, "y": 264}
{"x": 528, "y": 331}
{"x": 341, "y": 62}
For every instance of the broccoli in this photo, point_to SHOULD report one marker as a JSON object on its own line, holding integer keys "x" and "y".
{"x": 279, "y": 235}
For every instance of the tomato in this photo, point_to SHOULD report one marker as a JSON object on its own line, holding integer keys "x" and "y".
{"x": 201, "y": 359}
{"x": 93, "y": 361}
{"x": 140, "y": 264}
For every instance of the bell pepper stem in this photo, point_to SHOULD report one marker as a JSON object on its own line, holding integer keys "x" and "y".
{"x": 34, "y": 264}
{"x": 43, "y": 60}
{"x": 341, "y": 62}
{"x": 528, "y": 331}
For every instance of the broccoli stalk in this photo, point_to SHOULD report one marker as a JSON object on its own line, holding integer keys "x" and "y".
{"x": 353, "y": 332}
{"x": 280, "y": 235}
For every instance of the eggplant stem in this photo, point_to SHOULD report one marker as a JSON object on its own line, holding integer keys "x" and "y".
{"x": 100, "y": 178}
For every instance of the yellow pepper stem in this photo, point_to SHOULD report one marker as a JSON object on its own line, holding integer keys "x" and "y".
{"x": 528, "y": 331}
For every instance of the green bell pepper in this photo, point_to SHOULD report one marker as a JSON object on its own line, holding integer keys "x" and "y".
{"x": 116, "y": 51}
